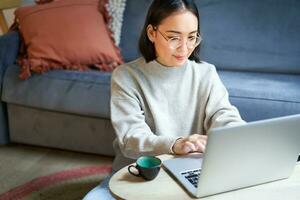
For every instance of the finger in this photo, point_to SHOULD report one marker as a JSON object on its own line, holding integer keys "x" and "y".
{"x": 197, "y": 139}
{"x": 203, "y": 139}
{"x": 180, "y": 147}
{"x": 185, "y": 149}
{"x": 199, "y": 145}
{"x": 189, "y": 146}
{"x": 204, "y": 142}
{"x": 201, "y": 148}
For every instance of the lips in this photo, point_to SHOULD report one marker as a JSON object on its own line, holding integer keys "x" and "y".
{"x": 179, "y": 57}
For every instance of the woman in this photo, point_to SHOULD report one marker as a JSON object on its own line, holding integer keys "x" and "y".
{"x": 166, "y": 101}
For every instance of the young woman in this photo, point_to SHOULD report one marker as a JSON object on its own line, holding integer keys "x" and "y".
{"x": 167, "y": 100}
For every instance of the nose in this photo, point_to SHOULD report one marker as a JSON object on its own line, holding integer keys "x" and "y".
{"x": 183, "y": 47}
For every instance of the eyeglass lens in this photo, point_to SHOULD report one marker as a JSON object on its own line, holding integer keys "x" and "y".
{"x": 175, "y": 42}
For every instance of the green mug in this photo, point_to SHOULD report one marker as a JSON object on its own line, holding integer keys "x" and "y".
{"x": 146, "y": 167}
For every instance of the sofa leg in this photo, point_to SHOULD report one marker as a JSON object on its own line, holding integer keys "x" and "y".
{"x": 4, "y": 136}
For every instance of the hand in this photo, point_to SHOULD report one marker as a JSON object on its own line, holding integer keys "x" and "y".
{"x": 192, "y": 143}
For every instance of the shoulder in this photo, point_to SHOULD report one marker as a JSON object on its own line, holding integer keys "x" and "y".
{"x": 127, "y": 70}
{"x": 203, "y": 68}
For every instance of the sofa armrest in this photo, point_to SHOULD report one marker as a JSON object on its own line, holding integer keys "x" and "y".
{"x": 9, "y": 47}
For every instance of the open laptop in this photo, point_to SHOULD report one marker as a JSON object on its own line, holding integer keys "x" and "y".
{"x": 240, "y": 156}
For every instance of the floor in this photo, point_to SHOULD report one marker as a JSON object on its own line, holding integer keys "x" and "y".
{"x": 21, "y": 163}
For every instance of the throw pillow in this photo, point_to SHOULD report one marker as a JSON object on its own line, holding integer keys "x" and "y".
{"x": 68, "y": 34}
{"x": 115, "y": 9}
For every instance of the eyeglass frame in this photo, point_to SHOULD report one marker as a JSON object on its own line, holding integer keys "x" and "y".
{"x": 168, "y": 39}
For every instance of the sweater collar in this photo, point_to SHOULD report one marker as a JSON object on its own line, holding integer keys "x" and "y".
{"x": 164, "y": 73}
{"x": 167, "y": 69}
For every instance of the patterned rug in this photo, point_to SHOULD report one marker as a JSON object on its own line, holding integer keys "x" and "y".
{"x": 70, "y": 184}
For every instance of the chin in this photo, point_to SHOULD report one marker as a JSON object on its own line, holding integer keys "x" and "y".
{"x": 179, "y": 63}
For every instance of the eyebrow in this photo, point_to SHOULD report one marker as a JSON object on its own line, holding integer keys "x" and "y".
{"x": 177, "y": 32}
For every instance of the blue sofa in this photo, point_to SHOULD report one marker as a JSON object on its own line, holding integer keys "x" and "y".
{"x": 255, "y": 46}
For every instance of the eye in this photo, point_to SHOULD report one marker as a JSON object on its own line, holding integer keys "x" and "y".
{"x": 173, "y": 38}
{"x": 192, "y": 37}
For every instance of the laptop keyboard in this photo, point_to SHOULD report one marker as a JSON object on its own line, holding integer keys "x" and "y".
{"x": 192, "y": 176}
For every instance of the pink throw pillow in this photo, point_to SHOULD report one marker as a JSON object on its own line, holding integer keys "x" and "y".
{"x": 66, "y": 34}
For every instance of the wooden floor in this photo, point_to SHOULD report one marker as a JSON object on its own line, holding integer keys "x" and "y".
{"x": 20, "y": 163}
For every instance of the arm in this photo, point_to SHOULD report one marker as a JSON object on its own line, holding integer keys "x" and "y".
{"x": 135, "y": 137}
{"x": 219, "y": 112}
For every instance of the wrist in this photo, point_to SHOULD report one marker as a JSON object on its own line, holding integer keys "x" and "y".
{"x": 173, "y": 151}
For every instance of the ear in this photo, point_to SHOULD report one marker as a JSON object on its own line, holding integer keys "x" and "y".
{"x": 151, "y": 33}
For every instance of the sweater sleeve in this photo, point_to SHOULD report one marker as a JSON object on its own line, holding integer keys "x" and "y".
{"x": 134, "y": 136}
{"x": 218, "y": 111}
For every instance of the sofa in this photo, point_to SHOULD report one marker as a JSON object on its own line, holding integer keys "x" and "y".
{"x": 255, "y": 46}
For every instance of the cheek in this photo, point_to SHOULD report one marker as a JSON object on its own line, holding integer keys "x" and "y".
{"x": 162, "y": 51}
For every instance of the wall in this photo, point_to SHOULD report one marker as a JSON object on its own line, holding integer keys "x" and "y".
{"x": 9, "y": 15}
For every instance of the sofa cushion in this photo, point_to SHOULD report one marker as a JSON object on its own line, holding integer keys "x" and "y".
{"x": 69, "y": 34}
{"x": 251, "y": 35}
{"x": 262, "y": 95}
{"x": 257, "y": 95}
{"x": 84, "y": 93}
{"x": 133, "y": 21}
{"x": 237, "y": 35}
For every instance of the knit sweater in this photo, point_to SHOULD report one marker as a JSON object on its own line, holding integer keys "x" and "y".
{"x": 153, "y": 105}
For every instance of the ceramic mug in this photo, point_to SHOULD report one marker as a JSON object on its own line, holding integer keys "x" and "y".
{"x": 146, "y": 167}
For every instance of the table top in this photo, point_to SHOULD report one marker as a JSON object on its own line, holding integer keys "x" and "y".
{"x": 126, "y": 186}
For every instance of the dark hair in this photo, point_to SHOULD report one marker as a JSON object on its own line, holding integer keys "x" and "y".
{"x": 158, "y": 11}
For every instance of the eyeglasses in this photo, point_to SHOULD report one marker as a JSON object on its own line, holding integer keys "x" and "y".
{"x": 175, "y": 41}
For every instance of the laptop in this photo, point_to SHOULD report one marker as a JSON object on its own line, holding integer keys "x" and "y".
{"x": 240, "y": 156}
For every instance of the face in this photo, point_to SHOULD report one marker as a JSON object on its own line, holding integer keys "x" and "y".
{"x": 172, "y": 28}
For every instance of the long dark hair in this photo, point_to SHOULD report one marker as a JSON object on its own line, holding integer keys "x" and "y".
{"x": 158, "y": 11}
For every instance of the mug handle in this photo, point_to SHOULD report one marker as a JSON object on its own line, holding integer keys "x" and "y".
{"x": 129, "y": 167}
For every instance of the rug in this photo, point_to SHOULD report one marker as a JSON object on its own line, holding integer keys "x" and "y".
{"x": 69, "y": 184}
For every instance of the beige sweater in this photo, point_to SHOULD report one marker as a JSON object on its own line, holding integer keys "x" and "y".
{"x": 152, "y": 105}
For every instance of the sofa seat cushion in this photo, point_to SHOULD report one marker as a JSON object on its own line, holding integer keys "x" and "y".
{"x": 83, "y": 93}
{"x": 88, "y": 93}
{"x": 262, "y": 95}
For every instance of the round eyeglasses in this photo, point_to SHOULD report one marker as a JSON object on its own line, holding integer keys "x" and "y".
{"x": 175, "y": 42}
